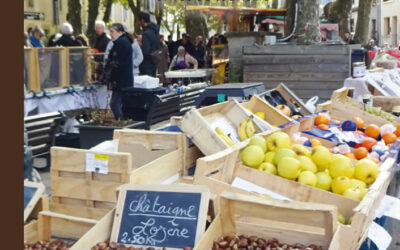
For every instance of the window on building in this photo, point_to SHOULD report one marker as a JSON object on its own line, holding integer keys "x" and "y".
{"x": 386, "y": 28}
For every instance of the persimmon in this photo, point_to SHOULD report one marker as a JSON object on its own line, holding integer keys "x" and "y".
{"x": 359, "y": 122}
{"x": 360, "y": 153}
{"x": 368, "y": 143}
{"x": 350, "y": 155}
{"x": 389, "y": 138}
{"x": 372, "y": 131}
{"x": 323, "y": 126}
{"x": 321, "y": 119}
{"x": 397, "y": 132}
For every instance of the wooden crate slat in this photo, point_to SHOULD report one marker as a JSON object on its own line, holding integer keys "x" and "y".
{"x": 304, "y": 59}
{"x": 81, "y": 211}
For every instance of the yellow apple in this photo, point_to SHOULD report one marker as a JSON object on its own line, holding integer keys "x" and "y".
{"x": 301, "y": 150}
{"x": 350, "y": 220}
{"x": 308, "y": 178}
{"x": 278, "y": 140}
{"x": 366, "y": 171}
{"x": 324, "y": 181}
{"x": 341, "y": 165}
{"x": 358, "y": 183}
{"x": 352, "y": 193}
{"x": 341, "y": 219}
{"x": 261, "y": 115}
{"x": 363, "y": 191}
{"x": 258, "y": 141}
{"x": 321, "y": 157}
{"x": 252, "y": 156}
{"x": 289, "y": 168}
{"x": 282, "y": 152}
{"x": 267, "y": 167}
{"x": 269, "y": 157}
{"x": 307, "y": 164}
{"x": 341, "y": 184}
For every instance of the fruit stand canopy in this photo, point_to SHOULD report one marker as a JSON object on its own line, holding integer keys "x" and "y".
{"x": 243, "y": 11}
{"x": 279, "y": 20}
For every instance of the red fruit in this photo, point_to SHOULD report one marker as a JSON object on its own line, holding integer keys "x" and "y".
{"x": 361, "y": 153}
{"x": 389, "y": 138}
{"x": 368, "y": 143}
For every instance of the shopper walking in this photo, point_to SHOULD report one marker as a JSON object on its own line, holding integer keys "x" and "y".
{"x": 118, "y": 73}
{"x": 150, "y": 44}
{"x": 35, "y": 38}
{"x": 67, "y": 39}
{"x": 164, "y": 62}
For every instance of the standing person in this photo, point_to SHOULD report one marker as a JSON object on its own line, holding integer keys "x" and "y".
{"x": 137, "y": 57}
{"x": 118, "y": 70}
{"x": 183, "y": 60}
{"x": 35, "y": 37}
{"x": 163, "y": 65}
{"x": 212, "y": 41}
{"x": 67, "y": 39}
{"x": 53, "y": 40}
{"x": 187, "y": 44}
{"x": 150, "y": 43}
{"x": 83, "y": 40}
{"x": 348, "y": 39}
{"x": 199, "y": 51}
{"x": 102, "y": 39}
{"x": 171, "y": 47}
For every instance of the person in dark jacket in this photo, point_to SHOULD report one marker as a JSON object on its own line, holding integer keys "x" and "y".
{"x": 67, "y": 39}
{"x": 150, "y": 43}
{"x": 118, "y": 70}
{"x": 171, "y": 46}
{"x": 199, "y": 51}
{"x": 102, "y": 39}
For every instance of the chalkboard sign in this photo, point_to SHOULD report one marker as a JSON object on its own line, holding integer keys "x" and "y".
{"x": 32, "y": 193}
{"x": 170, "y": 216}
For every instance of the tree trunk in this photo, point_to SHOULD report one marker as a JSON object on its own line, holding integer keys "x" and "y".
{"x": 362, "y": 26}
{"x": 107, "y": 12}
{"x": 93, "y": 11}
{"x": 135, "y": 8}
{"x": 159, "y": 13}
{"x": 195, "y": 23}
{"x": 308, "y": 21}
{"x": 275, "y": 4}
{"x": 290, "y": 12}
{"x": 339, "y": 12}
{"x": 74, "y": 15}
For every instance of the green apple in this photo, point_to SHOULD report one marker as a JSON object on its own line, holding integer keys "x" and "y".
{"x": 341, "y": 219}
{"x": 301, "y": 150}
{"x": 267, "y": 167}
{"x": 350, "y": 220}
{"x": 352, "y": 193}
{"x": 269, "y": 157}
{"x": 289, "y": 168}
{"x": 282, "y": 152}
{"x": 308, "y": 178}
{"x": 258, "y": 141}
{"x": 363, "y": 192}
{"x": 341, "y": 165}
{"x": 252, "y": 156}
{"x": 307, "y": 164}
{"x": 366, "y": 171}
{"x": 278, "y": 140}
{"x": 321, "y": 156}
{"x": 358, "y": 183}
{"x": 324, "y": 181}
{"x": 341, "y": 184}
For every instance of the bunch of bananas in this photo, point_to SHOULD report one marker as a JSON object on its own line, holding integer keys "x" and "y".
{"x": 224, "y": 137}
{"x": 246, "y": 129}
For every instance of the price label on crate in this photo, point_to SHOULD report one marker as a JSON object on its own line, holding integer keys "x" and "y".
{"x": 97, "y": 163}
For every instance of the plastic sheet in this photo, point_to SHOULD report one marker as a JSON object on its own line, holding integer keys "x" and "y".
{"x": 49, "y": 68}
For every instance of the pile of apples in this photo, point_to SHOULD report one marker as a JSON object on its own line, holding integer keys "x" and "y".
{"x": 316, "y": 166}
{"x": 386, "y": 135}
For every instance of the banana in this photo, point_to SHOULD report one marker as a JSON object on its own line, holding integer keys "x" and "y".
{"x": 250, "y": 128}
{"x": 224, "y": 137}
{"x": 242, "y": 130}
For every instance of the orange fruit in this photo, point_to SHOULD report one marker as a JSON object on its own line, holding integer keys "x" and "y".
{"x": 359, "y": 122}
{"x": 350, "y": 155}
{"x": 373, "y": 159}
{"x": 323, "y": 126}
{"x": 321, "y": 119}
{"x": 360, "y": 153}
{"x": 397, "y": 132}
{"x": 315, "y": 142}
{"x": 389, "y": 138}
{"x": 368, "y": 143}
{"x": 372, "y": 131}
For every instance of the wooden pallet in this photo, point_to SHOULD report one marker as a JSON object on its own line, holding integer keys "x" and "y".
{"x": 196, "y": 124}
{"x": 219, "y": 171}
{"x": 91, "y": 195}
{"x": 294, "y": 222}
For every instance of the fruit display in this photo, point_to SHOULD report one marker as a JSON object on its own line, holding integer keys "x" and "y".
{"x": 107, "y": 245}
{"x": 316, "y": 166}
{"x": 246, "y": 129}
{"x": 224, "y": 137}
{"x": 45, "y": 245}
{"x": 254, "y": 242}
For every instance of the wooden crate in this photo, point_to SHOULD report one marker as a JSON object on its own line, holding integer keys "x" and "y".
{"x": 342, "y": 107}
{"x": 386, "y": 102}
{"x": 272, "y": 115}
{"x": 291, "y": 223}
{"x": 31, "y": 65}
{"x": 196, "y": 124}
{"x": 219, "y": 171}
{"x": 30, "y": 228}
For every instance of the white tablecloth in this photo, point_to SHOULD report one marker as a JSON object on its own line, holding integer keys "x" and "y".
{"x": 387, "y": 82}
{"x": 61, "y": 101}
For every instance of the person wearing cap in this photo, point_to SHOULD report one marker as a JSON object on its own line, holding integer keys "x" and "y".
{"x": 67, "y": 39}
{"x": 183, "y": 60}
{"x": 35, "y": 38}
